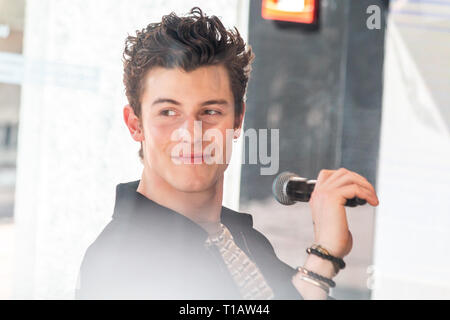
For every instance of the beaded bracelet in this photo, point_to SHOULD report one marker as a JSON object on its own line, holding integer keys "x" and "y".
{"x": 319, "y": 251}
{"x": 317, "y": 276}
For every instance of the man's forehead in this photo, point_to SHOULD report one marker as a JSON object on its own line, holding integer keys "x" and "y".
{"x": 161, "y": 81}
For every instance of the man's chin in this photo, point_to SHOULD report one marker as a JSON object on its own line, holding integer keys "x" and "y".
{"x": 190, "y": 179}
{"x": 192, "y": 186}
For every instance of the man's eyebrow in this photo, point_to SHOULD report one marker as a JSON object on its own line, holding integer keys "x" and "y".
{"x": 215, "y": 101}
{"x": 164, "y": 100}
{"x": 205, "y": 103}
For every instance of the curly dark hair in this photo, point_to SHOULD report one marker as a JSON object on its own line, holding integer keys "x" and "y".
{"x": 187, "y": 42}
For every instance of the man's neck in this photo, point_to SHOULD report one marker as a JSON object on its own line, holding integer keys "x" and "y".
{"x": 204, "y": 207}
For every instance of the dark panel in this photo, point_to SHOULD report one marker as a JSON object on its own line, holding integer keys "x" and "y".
{"x": 363, "y": 94}
{"x": 297, "y": 86}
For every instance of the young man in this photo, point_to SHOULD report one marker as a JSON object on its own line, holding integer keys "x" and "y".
{"x": 170, "y": 237}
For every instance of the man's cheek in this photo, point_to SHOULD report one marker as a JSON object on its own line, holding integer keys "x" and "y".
{"x": 157, "y": 137}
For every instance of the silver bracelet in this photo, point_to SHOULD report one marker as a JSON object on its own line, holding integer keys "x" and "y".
{"x": 315, "y": 282}
{"x": 327, "y": 281}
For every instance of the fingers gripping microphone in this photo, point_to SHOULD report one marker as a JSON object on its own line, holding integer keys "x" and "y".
{"x": 289, "y": 188}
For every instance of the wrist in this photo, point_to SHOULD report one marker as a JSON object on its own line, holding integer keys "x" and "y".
{"x": 331, "y": 248}
{"x": 317, "y": 265}
{"x": 320, "y": 266}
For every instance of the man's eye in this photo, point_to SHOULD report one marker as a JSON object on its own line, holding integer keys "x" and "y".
{"x": 212, "y": 112}
{"x": 167, "y": 113}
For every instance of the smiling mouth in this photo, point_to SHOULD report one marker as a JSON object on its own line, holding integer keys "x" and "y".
{"x": 193, "y": 158}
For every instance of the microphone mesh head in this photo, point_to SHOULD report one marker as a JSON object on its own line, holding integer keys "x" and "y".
{"x": 279, "y": 188}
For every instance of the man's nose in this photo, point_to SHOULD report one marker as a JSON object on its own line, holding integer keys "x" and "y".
{"x": 192, "y": 128}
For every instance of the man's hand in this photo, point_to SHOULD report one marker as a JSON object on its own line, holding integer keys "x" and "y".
{"x": 331, "y": 191}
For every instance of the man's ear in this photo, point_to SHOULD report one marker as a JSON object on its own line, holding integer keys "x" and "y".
{"x": 237, "y": 130}
{"x": 133, "y": 123}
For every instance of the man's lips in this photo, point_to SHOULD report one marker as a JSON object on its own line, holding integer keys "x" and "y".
{"x": 191, "y": 157}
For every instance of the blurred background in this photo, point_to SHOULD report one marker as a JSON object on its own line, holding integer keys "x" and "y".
{"x": 365, "y": 86}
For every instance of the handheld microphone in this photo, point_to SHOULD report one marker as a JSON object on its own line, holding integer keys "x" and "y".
{"x": 289, "y": 188}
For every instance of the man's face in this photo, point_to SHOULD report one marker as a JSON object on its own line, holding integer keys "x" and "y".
{"x": 175, "y": 102}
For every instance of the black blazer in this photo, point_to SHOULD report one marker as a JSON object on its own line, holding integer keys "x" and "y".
{"x": 151, "y": 252}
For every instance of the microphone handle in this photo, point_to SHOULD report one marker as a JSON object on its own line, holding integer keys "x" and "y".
{"x": 301, "y": 190}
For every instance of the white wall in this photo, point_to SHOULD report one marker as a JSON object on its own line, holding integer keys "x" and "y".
{"x": 412, "y": 239}
{"x": 73, "y": 146}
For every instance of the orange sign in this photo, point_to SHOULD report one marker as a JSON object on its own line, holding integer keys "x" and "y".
{"x": 300, "y": 11}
